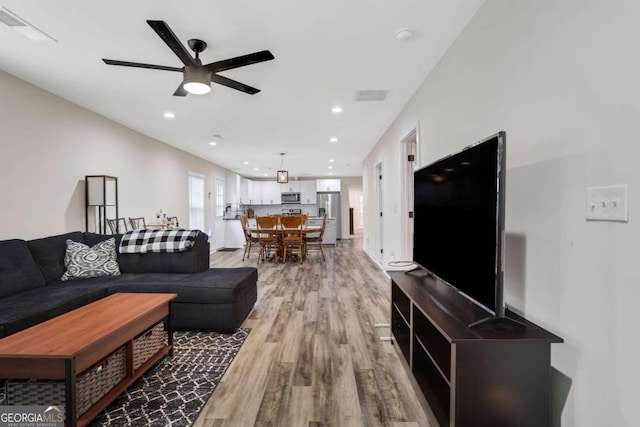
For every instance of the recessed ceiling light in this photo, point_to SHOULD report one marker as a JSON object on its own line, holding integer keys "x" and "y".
{"x": 330, "y": 173}
{"x": 245, "y": 163}
{"x": 256, "y": 169}
{"x": 213, "y": 143}
{"x": 330, "y": 167}
{"x": 336, "y": 109}
{"x": 331, "y": 160}
{"x": 266, "y": 174}
{"x": 333, "y": 139}
{"x": 169, "y": 115}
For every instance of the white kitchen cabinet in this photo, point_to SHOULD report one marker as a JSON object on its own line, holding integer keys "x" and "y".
{"x": 290, "y": 187}
{"x": 255, "y": 194}
{"x": 233, "y": 235}
{"x": 265, "y": 193}
{"x": 327, "y": 185}
{"x": 246, "y": 188}
{"x": 232, "y": 188}
{"x": 270, "y": 193}
{"x": 308, "y": 192}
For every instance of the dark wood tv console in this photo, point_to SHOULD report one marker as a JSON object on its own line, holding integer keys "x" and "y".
{"x": 488, "y": 376}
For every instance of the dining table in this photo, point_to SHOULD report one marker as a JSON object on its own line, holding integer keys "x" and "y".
{"x": 279, "y": 230}
{"x": 305, "y": 229}
{"x": 159, "y": 225}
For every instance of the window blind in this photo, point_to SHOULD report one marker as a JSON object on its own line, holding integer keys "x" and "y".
{"x": 196, "y": 201}
{"x": 219, "y": 198}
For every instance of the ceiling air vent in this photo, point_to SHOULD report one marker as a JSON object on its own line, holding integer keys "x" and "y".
{"x": 23, "y": 27}
{"x": 371, "y": 95}
{"x": 9, "y": 20}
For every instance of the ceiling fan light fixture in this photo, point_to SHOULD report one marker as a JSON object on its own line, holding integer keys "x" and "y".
{"x": 196, "y": 88}
{"x": 197, "y": 80}
{"x": 197, "y": 77}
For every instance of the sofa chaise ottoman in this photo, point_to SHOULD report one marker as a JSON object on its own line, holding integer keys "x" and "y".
{"x": 31, "y": 289}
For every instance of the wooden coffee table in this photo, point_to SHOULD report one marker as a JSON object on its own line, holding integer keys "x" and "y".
{"x": 67, "y": 345}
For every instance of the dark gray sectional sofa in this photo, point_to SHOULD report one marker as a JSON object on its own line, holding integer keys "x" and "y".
{"x": 208, "y": 298}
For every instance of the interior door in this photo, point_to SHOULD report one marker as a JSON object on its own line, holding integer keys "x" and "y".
{"x": 410, "y": 157}
{"x": 218, "y": 206}
{"x": 379, "y": 204}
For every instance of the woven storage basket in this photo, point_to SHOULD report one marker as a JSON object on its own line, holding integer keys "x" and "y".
{"x": 147, "y": 344}
{"x": 91, "y": 385}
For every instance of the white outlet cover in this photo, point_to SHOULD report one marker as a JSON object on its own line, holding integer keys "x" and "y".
{"x": 607, "y": 203}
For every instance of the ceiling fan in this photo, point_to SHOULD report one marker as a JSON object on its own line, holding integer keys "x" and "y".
{"x": 198, "y": 77}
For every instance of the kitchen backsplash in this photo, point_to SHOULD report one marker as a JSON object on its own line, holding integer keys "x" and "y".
{"x": 260, "y": 210}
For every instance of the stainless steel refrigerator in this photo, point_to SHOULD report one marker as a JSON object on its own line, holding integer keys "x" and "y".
{"x": 329, "y": 203}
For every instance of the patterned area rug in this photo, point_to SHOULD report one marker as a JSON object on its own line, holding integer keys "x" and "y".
{"x": 175, "y": 390}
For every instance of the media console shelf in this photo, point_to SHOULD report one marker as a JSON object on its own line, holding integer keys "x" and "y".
{"x": 470, "y": 377}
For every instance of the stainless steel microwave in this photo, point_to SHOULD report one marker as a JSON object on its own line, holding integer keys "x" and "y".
{"x": 290, "y": 197}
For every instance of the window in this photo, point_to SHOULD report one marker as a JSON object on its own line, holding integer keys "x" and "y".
{"x": 196, "y": 201}
{"x": 219, "y": 197}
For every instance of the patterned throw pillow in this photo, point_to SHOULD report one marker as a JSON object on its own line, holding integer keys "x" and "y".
{"x": 83, "y": 262}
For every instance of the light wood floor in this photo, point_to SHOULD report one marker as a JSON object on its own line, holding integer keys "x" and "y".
{"x": 314, "y": 357}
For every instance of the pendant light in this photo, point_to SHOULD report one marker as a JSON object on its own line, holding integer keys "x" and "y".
{"x": 282, "y": 176}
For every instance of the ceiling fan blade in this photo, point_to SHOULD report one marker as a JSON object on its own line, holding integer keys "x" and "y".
{"x": 225, "y": 81}
{"x": 165, "y": 33}
{"x": 239, "y": 61}
{"x": 140, "y": 65}
{"x": 180, "y": 91}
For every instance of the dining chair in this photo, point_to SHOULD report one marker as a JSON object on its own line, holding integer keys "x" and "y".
{"x": 315, "y": 238}
{"x": 249, "y": 238}
{"x": 268, "y": 237}
{"x": 117, "y": 225}
{"x": 137, "y": 223}
{"x": 291, "y": 237}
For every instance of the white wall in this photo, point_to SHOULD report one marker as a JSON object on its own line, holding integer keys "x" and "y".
{"x": 561, "y": 78}
{"x": 48, "y": 145}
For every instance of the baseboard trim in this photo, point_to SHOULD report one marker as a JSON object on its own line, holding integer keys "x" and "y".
{"x": 372, "y": 258}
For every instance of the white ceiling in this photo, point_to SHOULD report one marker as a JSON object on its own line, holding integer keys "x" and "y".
{"x": 324, "y": 52}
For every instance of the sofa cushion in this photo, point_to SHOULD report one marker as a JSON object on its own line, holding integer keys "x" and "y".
{"x": 102, "y": 282}
{"x": 214, "y": 286}
{"x": 26, "y": 309}
{"x": 194, "y": 260}
{"x": 18, "y": 270}
{"x": 92, "y": 239}
{"x": 49, "y": 253}
{"x": 83, "y": 261}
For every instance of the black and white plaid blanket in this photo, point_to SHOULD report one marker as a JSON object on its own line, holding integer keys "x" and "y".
{"x": 143, "y": 241}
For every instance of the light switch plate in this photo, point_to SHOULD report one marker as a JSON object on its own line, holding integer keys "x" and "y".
{"x": 607, "y": 203}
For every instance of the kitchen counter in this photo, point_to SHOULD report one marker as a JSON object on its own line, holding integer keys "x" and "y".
{"x": 330, "y": 229}
{"x": 233, "y": 234}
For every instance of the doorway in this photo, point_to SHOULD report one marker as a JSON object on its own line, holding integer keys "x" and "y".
{"x": 379, "y": 212}
{"x": 218, "y": 208}
{"x": 409, "y": 147}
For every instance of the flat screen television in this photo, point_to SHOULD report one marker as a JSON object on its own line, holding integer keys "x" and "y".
{"x": 459, "y": 221}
